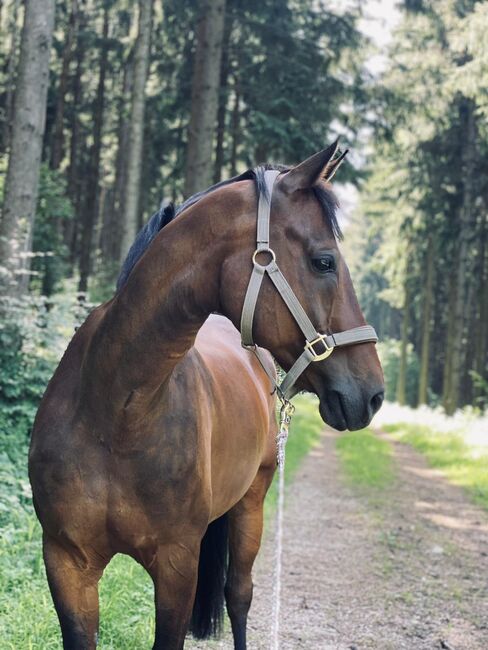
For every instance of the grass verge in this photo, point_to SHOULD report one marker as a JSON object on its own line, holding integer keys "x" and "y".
{"x": 27, "y": 617}
{"x": 365, "y": 459}
{"x": 448, "y": 452}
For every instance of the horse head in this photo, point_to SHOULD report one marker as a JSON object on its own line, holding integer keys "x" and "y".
{"x": 303, "y": 235}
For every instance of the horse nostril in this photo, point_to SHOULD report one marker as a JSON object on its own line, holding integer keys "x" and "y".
{"x": 377, "y": 400}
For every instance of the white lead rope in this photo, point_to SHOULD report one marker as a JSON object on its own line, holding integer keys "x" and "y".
{"x": 286, "y": 412}
{"x": 275, "y": 628}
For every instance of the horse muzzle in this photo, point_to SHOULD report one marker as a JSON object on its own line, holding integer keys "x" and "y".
{"x": 350, "y": 407}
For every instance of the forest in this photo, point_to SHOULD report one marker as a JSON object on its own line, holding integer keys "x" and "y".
{"x": 110, "y": 109}
{"x": 422, "y": 229}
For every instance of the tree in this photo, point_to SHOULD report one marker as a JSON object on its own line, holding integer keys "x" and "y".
{"x": 11, "y": 68}
{"x": 464, "y": 265}
{"x": 136, "y": 133}
{"x": 110, "y": 237}
{"x": 93, "y": 172}
{"x": 426, "y": 325}
{"x": 223, "y": 98}
{"x": 74, "y": 163}
{"x": 21, "y": 185}
{"x": 205, "y": 95}
{"x": 58, "y": 129}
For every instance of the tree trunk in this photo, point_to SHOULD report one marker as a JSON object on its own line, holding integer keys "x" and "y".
{"x": 401, "y": 388}
{"x": 426, "y": 324}
{"x": 74, "y": 181}
{"x": 112, "y": 232}
{"x": 451, "y": 332}
{"x": 91, "y": 202}
{"x": 223, "y": 97}
{"x": 21, "y": 186}
{"x": 10, "y": 83}
{"x": 58, "y": 128}
{"x": 235, "y": 128}
{"x": 472, "y": 299}
{"x": 205, "y": 95}
{"x": 466, "y": 224}
{"x": 136, "y": 130}
{"x": 179, "y": 148}
{"x": 481, "y": 331}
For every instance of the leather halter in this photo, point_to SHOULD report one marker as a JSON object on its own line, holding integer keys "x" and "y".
{"x": 317, "y": 346}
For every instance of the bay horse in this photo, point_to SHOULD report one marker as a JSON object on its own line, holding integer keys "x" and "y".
{"x": 156, "y": 435}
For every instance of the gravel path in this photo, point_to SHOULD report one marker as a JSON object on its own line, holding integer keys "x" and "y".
{"x": 402, "y": 569}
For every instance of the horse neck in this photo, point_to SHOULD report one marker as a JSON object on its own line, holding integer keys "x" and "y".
{"x": 154, "y": 319}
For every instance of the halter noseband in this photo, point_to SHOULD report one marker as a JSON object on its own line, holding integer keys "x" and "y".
{"x": 317, "y": 346}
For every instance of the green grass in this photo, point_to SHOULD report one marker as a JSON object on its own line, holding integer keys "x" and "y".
{"x": 27, "y": 617}
{"x": 448, "y": 452}
{"x": 365, "y": 459}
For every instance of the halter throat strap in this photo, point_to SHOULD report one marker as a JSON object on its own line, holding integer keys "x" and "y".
{"x": 317, "y": 346}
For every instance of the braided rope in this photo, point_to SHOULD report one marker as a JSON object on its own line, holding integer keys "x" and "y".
{"x": 285, "y": 418}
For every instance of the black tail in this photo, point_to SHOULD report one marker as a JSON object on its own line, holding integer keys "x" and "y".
{"x": 208, "y": 609}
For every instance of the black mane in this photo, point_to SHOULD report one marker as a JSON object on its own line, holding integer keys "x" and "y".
{"x": 167, "y": 213}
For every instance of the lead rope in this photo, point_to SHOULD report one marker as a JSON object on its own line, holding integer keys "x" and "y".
{"x": 286, "y": 412}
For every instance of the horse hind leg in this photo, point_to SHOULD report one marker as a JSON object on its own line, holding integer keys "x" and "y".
{"x": 73, "y": 581}
{"x": 245, "y": 531}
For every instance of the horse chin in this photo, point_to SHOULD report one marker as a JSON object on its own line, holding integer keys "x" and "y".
{"x": 332, "y": 414}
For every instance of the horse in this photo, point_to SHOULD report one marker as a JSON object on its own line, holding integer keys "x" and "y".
{"x": 156, "y": 434}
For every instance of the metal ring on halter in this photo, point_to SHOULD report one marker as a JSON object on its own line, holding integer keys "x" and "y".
{"x": 263, "y": 250}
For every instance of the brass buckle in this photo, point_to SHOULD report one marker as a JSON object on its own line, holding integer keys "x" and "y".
{"x": 315, "y": 355}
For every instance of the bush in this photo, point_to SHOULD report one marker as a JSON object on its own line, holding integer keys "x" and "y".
{"x": 32, "y": 339}
{"x": 54, "y": 209}
{"x": 480, "y": 386}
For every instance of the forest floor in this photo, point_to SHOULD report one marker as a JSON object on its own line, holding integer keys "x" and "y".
{"x": 398, "y": 565}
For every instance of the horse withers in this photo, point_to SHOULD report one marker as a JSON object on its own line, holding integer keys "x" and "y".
{"x": 156, "y": 434}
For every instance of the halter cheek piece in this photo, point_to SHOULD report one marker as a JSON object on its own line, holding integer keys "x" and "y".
{"x": 317, "y": 346}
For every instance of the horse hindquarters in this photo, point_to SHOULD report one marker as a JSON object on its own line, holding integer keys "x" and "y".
{"x": 245, "y": 531}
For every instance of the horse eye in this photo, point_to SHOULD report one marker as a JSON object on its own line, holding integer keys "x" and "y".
{"x": 323, "y": 264}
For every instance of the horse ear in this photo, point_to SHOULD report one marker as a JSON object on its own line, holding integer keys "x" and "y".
{"x": 333, "y": 166}
{"x": 307, "y": 173}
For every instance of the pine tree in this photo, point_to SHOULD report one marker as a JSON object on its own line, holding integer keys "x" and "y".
{"x": 21, "y": 186}
{"x": 90, "y": 207}
{"x": 136, "y": 132}
{"x": 205, "y": 95}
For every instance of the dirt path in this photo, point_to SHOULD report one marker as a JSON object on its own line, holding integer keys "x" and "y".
{"x": 405, "y": 569}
